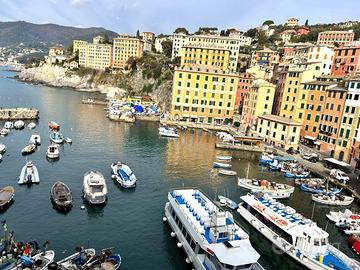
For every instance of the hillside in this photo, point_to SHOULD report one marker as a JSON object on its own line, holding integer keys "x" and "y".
{"x": 12, "y": 33}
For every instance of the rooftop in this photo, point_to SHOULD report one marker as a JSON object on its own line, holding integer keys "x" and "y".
{"x": 280, "y": 119}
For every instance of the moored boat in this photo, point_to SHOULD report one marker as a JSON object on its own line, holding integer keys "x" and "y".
{"x": 29, "y": 174}
{"x": 32, "y": 125}
{"x": 68, "y": 140}
{"x": 94, "y": 188}
{"x": 107, "y": 260}
{"x": 319, "y": 189}
{"x": 61, "y": 196}
{"x": 2, "y": 148}
{"x": 53, "y": 151}
{"x": 168, "y": 132}
{"x": 339, "y": 200}
{"x": 340, "y": 216}
{"x": 266, "y": 158}
{"x": 221, "y": 165}
{"x": 225, "y": 201}
{"x": 123, "y": 175}
{"x": 354, "y": 243}
{"x": 76, "y": 260}
{"x": 28, "y": 149}
{"x": 4, "y": 131}
{"x": 57, "y": 137}
{"x": 19, "y": 124}
{"x": 303, "y": 174}
{"x": 35, "y": 139}
{"x": 38, "y": 262}
{"x": 273, "y": 189}
{"x": 293, "y": 235}
{"x": 227, "y": 172}
{"x": 53, "y": 125}
{"x": 8, "y": 125}
{"x": 210, "y": 237}
{"x": 224, "y": 158}
{"x": 6, "y": 196}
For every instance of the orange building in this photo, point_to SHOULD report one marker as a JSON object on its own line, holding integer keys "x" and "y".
{"x": 346, "y": 61}
{"x": 303, "y": 31}
{"x": 244, "y": 85}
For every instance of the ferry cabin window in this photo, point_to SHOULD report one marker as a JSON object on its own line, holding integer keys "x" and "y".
{"x": 316, "y": 242}
{"x": 323, "y": 241}
{"x": 193, "y": 245}
{"x": 246, "y": 266}
{"x": 184, "y": 231}
{"x": 188, "y": 238}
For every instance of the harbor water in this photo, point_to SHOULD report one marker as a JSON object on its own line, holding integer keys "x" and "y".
{"x": 131, "y": 221}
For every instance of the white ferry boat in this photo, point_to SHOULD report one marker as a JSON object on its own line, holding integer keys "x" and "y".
{"x": 296, "y": 236}
{"x": 209, "y": 236}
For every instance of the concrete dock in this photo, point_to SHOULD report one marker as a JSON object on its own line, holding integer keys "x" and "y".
{"x": 18, "y": 113}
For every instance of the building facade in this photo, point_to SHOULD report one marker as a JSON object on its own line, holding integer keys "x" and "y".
{"x": 244, "y": 85}
{"x": 346, "y": 61}
{"x": 291, "y": 22}
{"x": 76, "y": 45}
{"x": 96, "y": 56}
{"x": 265, "y": 57}
{"x": 125, "y": 47}
{"x": 332, "y": 37}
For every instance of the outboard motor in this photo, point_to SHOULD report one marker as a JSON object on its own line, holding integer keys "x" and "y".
{"x": 53, "y": 266}
{"x": 26, "y": 262}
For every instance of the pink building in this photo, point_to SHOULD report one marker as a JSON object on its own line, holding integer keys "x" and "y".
{"x": 346, "y": 61}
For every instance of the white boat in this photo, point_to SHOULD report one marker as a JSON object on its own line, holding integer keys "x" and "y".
{"x": 19, "y": 124}
{"x": 224, "y": 157}
{"x": 28, "y": 149}
{"x": 1, "y": 156}
{"x": 168, "y": 132}
{"x": 38, "y": 262}
{"x": 94, "y": 188}
{"x": 4, "y": 131}
{"x": 292, "y": 234}
{"x": 35, "y": 139}
{"x": 29, "y": 174}
{"x": 123, "y": 175}
{"x": 57, "y": 137}
{"x": 8, "y": 125}
{"x": 2, "y": 148}
{"x": 273, "y": 189}
{"x": 53, "y": 151}
{"x": 209, "y": 236}
{"x": 339, "y": 216}
{"x": 32, "y": 125}
{"x": 227, "y": 172}
{"x": 224, "y": 201}
{"x": 221, "y": 165}
{"x": 353, "y": 229}
{"x": 68, "y": 140}
{"x": 76, "y": 260}
{"x": 332, "y": 199}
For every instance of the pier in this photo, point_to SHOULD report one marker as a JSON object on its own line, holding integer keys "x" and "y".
{"x": 18, "y": 113}
{"x": 92, "y": 101}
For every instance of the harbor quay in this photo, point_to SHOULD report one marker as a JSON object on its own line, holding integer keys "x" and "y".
{"x": 18, "y": 113}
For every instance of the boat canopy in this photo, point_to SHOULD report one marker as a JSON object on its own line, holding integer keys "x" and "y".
{"x": 338, "y": 164}
{"x": 286, "y": 158}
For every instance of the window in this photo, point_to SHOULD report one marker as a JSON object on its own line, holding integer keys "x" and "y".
{"x": 317, "y": 118}
{"x": 197, "y": 77}
{"x": 206, "y": 78}
{"x": 189, "y": 76}
{"x": 179, "y": 83}
{"x": 180, "y": 75}
{"x": 300, "y": 115}
{"x": 274, "y": 134}
{"x": 344, "y": 120}
{"x": 350, "y": 120}
{"x": 196, "y": 85}
{"x": 314, "y": 129}
{"x": 308, "y": 117}
{"x": 188, "y": 84}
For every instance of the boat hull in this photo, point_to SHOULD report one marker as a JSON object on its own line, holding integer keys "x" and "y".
{"x": 125, "y": 180}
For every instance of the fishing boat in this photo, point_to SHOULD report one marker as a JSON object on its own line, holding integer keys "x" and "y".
{"x": 19, "y": 124}
{"x": 29, "y": 174}
{"x": 227, "y": 202}
{"x": 2, "y": 148}
{"x": 57, "y": 137}
{"x": 273, "y": 189}
{"x": 61, "y": 196}
{"x": 293, "y": 235}
{"x": 53, "y": 151}
{"x": 304, "y": 174}
{"x": 210, "y": 236}
{"x": 224, "y": 158}
{"x": 76, "y": 260}
{"x": 354, "y": 243}
{"x": 275, "y": 165}
{"x": 352, "y": 229}
{"x": 168, "y": 132}
{"x": 339, "y": 216}
{"x": 319, "y": 189}
{"x": 266, "y": 158}
{"x": 38, "y": 262}
{"x": 8, "y": 125}
{"x": 6, "y": 196}
{"x": 31, "y": 125}
{"x": 94, "y": 188}
{"x": 107, "y": 260}
{"x": 68, "y": 140}
{"x": 35, "y": 139}
{"x": 4, "y": 131}
{"x": 27, "y": 150}
{"x": 123, "y": 175}
{"x": 221, "y": 165}
{"x": 339, "y": 200}
{"x": 310, "y": 181}
{"x": 227, "y": 172}
{"x": 53, "y": 125}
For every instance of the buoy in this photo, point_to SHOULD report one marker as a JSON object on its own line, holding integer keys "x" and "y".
{"x": 172, "y": 234}
{"x": 179, "y": 244}
{"x": 164, "y": 219}
{"x": 187, "y": 260}
{"x": 82, "y": 207}
{"x": 113, "y": 176}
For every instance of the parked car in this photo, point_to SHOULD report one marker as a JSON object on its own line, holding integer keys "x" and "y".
{"x": 339, "y": 175}
{"x": 292, "y": 151}
{"x": 312, "y": 157}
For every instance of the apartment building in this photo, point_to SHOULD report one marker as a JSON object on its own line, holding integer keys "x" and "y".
{"x": 346, "y": 61}
{"x": 333, "y": 37}
{"x": 125, "y": 47}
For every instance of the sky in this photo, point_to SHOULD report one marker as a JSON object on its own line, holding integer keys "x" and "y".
{"x": 164, "y": 16}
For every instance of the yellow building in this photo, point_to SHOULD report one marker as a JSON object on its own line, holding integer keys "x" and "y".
{"x": 203, "y": 94}
{"x": 258, "y": 101}
{"x": 96, "y": 56}
{"x": 201, "y": 55}
{"x": 125, "y": 47}
{"x": 279, "y": 131}
{"x": 76, "y": 45}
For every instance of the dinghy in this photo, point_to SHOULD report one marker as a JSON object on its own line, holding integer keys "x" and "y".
{"x": 221, "y": 165}
{"x": 6, "y": 196}
{"x": 224, "y": 158}
{"x": 339, "y": 200}
{"x": 53, "y": 125}
{"x": 76, "y": 260}
{"x": 56, "y": 137}
{"x": 19, "y": 124}
{"x": 35, "y": 139}
{"x": 4, "y": 131}
{"x": 31, "y": 125}
{"x": 227, "y": 202}
{"x": 53, "y": 151}
{"x": 29, "y": 174}
{"x": 68, "y": 140}
{"x": 8, "y": 125}
{"x": 94, "y": 188}
{"x": 106, "y": 261}
{"x": 28, "y": 149}
{"x": 227, "y": 172}
{"x": 272, "y": 189}
{"x": 320, "y": 189}
{"x": 61, "y": 196}
{"x": 38, "y": 262}
{"x": 168, "y": 132}
{"x": 123, "y": 175}
{"x": 2, "y": 148}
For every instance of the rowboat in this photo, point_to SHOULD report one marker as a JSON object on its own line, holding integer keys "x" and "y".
{"x": 221, "y": 165}
{"x": 227, "y": 172}
{"x": 224, "y": 157}
{"x": 61, "y": 196}
{"x": 6, "y": 196}
{"x": 332, "y": 199}
{"x": 28, "y": 149}
{"x": 53, "y": 125}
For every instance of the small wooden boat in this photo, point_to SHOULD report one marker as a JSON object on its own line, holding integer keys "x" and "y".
{"x": 35, "y": 139}
{"x": 2, "y": 148}
{"x": 53, "y": 151}
{"x": 319, "y": 189}
{"x": 221, "y": 165}
{"x": 272, "y": 189}
{"x": 224, "y": 201}
{"x": 53, "y": 125}
{"x": 6, "y": 196}
{"x": 38, "y": 262}
{"x": 227, "y": 172}
{"x": 61, "y": 196}
{"x": 4, "y": 131}
{"x": 19, "y": 124}
{"x": 29, "y": 174}
{"x": 106, "y": 261}
{"x": 8, "y": 125}
{"x": 224, "y": 158}
{"x": 76, "y": 260}
{"x": 32, "y": 125}
{"x": 28, "y": 149}
{"x": 339, "y": 200}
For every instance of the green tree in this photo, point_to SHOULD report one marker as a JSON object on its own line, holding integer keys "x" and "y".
{"x": 181, "y": 30}
{"x": 268, "y": 22}
{"x": 70, "y": 48}
{"x": 167, "y": 47}
{"x": 138, "y": 34}
{"x": 251, "y": 32}
{"x": 306, "y": 22}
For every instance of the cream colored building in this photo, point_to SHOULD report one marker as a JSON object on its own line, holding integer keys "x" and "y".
{"x": 291, "y": 22}
{"x": 96, "y": 56}
{"x": 125, "y": 47}
{"x": 279, "y": 131}
{"x": 76, "y": 45}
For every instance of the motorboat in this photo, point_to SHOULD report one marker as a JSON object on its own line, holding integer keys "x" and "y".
{"x": 272, "y": 189}
{"x": 303, "y": 174}
{"x": 94, "y": 188}
{"x": 227, "y": 172}
{"x": 266, "y": 158}
{"x": 4, "y": 131}
{"x": 353, "y": 228}
{"x": 19, "y": 124}
{"x": 76, "y": 260}
{"x": 61, "y": 196}
{"x": 6, "y": 196}
{"x": 227, "y": 202}
{"x": 292, "y": 234}
{"x": 29, "y": 174}
{"x": 107, "y": 260}
{"x": 212, "y": 231}
{"x": 224, "y": 158}
{"x": 31, "y": 125}
{"x": 68, "y": 140}
{"x": 354, "y": 243}
{"x": 332, "y": 199}
{"x": 310, "y": 181}
{"x": 168, "y": 132}
{"x": 221, "y": 165}
{"x": 35, "y": 139}
{"x": 2, "y": 148}
{"x": 8, "y": 125}
{"x": 57, "y": 137}
{"x": 339, "y": 216}
{"x": 38, "y": 262}
{"x": 53, "y": 125}
{"x": 53, "y": 151}
{"x": 319, "y": 189}
{"x": 123, "y": 175}
{"x": 28, "y": 149}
